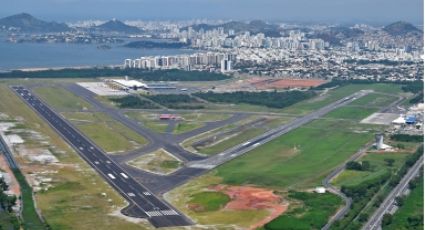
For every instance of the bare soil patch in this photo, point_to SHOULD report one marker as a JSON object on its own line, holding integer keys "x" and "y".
{"x": 248, "y": 198}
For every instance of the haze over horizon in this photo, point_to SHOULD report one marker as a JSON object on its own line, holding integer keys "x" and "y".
{"x": 324, "y": 11}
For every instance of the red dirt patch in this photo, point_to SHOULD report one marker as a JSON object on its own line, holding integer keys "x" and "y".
{"x": 286, "y": 83}
{"x": 248, "y": 198}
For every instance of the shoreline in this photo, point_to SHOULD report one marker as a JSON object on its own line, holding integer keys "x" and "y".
{"x": 35, "y": 69}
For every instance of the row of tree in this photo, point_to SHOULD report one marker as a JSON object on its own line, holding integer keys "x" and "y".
{"x": 269, "y": 99}
{"x": 412, "y": 221}
{"x": 7, "y": 202}
{"x": 177, "y": 101}
{"x": 133, "y": 102}
{"x": 147, "y": 75}
{"x": 407, "y": 138}
{"x": 363, "y": 193}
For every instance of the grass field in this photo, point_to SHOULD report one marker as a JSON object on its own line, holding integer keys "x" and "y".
{"x": 374, "y": 100}
{"x": 243, "y": 136}
{"x": 107, "y": 133}
{"x": 378, "y": 168}
{"x": 300, "y": 158}
{"x": 224, "y": 219}
{"x": 184, "y": 126}
{"x": 208, "y": 201}
{"x": 341, "y": 92}
{"x": 204, "y": 117}
{"x": 83, "y": 206}
{"x": 349, "y": 112}
{"x": 159, "y": 161}
{"x": 311, "y": 212}
{"x": 369, "y": 104}
{"x": 61, "y": 99}
{"x": 190, "y": 121}
{"x": 149, "y": 120}
{"x": 410, "y": 215}
{"x": 226, "y": 144}
{"x": 31, "y": 220}
{"x": 9, "y": 221}
{"x": 188, "y": 142}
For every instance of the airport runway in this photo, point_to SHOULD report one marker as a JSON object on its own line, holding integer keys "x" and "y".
{"x": 143, "y": 203}
{"x": 139, "y": 187}
{"x": 167, "y": 141}
{"x": 240, "y": 149}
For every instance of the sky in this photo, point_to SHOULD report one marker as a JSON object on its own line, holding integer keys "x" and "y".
{"x": 316, "y": 11}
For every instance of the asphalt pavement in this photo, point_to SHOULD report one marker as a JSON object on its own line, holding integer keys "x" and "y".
{"x": 374, "y": 222}
{"x": 140, "y": 187}
{"x": 242, "y": 148}
{"x": 143, "y": 203}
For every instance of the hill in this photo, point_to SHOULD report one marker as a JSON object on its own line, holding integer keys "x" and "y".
{"x": 401, "y": 28}
{"x": 335, "y": 34}
{"x": 27, "y": 23}
{"x": 254, "y": 27}
{"x": 117, "y": 26}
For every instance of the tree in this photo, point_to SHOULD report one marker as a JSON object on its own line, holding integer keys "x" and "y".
{"x": 389, "y": 161}
{"x": 365, "y": 165}
{"x": 353, "y": 165}
{"x": 3, "y": 185}
{"x": 415, "y": 221}
{"x": 400, "y": 146}
{"x": 363, "y": 217}
{"x": 399, "y": 201}
{"x": 387, "y": 219}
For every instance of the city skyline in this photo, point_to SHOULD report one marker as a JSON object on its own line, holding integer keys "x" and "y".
{"x": 327, "y": 11}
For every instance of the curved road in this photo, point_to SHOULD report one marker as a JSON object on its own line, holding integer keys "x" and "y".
{"x": 327, "y": 181}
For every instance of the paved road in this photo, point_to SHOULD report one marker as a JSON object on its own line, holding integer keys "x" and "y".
{"x": 242, "y": 148}
{"x": 143, "y": 203}
{"x": 327, "y": 184}
{"x": 327, "y": 181}
{"x": 376, "y": 219}
{"x": 167, "y": 141}
{"x": 195, "y": 165}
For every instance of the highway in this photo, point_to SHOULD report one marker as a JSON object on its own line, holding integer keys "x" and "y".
{"x": 143, "y": 203}
{"x": 242, "y": 148}
{"x": 327, "y": 181}
{"x": 374, "y": 222}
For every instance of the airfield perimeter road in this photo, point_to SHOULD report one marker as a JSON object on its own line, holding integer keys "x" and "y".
{"x": 375, "y": 220}
{"x": 143, "y": 203}
{"x": 327, "y": 181}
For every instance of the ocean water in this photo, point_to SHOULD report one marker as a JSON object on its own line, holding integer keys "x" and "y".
{"x": 43, "y": 55}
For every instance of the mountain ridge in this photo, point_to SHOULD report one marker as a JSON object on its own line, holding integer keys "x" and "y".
{"x": 115, "y": 25}
{"x": 401, "y": 28}
{"x": 25, "y": 22}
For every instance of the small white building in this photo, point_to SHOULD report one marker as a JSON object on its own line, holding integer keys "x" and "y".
{"x": 399, "y": 121}
{"x": 320, "y": 190}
